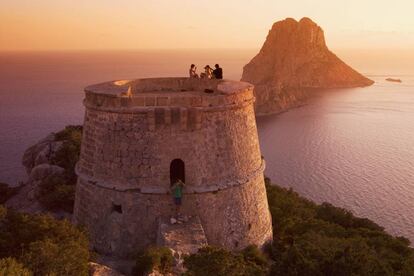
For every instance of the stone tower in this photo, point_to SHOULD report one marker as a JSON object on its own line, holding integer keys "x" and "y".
{"x": 140, "y": 134}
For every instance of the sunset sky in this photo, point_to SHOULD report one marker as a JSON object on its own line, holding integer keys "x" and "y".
{"x": 169, "y": 24}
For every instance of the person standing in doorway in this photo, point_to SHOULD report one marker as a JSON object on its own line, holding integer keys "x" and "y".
{"x": 177, "y": 192}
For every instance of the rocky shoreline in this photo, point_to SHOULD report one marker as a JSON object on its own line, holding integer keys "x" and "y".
{"x": 42, "y": 164}
{"x": 37, "y": 162}
{"x": 284, "y": 101}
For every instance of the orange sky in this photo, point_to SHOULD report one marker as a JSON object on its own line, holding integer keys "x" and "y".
{"x": 139, "y": 24}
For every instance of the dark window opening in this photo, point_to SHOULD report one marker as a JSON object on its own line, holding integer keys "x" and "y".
{"x": 117, "y": 208}
{"x": 177, "y": 171}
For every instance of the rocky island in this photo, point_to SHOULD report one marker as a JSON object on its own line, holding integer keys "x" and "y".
{"x": 293, "y": 61}
{"x": 393, "y": 80}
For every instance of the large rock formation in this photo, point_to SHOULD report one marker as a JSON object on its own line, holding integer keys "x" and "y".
{"x": 38, "y": 164}
{"x": 96, "y": 269}
{"x": 294, "y": 60}
{"x": 42, "y": 167}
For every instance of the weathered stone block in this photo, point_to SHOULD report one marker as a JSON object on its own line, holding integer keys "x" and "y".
{"x": 163, "y": 101}
{"x": 149, "y": 101}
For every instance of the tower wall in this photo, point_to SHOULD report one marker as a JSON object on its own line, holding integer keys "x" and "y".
{"x": 129, "y": 142}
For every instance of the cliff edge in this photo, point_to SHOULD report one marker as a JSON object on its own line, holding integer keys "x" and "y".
{"x": 293, "y": 60}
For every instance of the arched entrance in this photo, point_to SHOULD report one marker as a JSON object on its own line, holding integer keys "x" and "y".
{"x": 177, "y": 171}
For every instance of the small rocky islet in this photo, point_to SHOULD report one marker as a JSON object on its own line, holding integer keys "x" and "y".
{"x": 393, "y": 80}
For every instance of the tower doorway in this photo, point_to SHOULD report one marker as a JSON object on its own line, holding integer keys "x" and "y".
{"x": 177, "y": 171}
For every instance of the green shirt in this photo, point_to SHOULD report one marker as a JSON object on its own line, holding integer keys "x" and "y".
{"x": 177, "y": 189}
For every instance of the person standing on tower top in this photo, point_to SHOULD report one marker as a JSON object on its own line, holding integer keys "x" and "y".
{"x": 177, "y": 192}
{"x": 218, "y": 72}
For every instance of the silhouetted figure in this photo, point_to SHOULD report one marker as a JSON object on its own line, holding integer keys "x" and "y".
{"x": 218, "y": 72}
{"x": 192, "y": 71}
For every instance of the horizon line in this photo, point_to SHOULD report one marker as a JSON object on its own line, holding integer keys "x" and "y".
{"x": 195, "y": 48}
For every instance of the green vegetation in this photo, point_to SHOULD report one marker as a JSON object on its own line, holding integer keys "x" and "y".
{"x": 158, "y": 258}
{"x": 311, "y": 239}
{"x": 58, "y": 192}
{"x": 42, "y": 244}
{"x": 220, "y": 262}
{"x": 55, "y": 194}
{"x": 7, "y": 192}
{"x": 11, "y": 267}
{"x": 67, "y": 156}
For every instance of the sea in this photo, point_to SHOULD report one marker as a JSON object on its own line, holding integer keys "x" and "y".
{"x": 353, "y": 148}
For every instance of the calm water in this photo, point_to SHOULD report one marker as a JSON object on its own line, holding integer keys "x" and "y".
{"x": 353, "y": 148}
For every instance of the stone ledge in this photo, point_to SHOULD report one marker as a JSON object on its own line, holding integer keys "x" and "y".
{"x": 158, "y": 190}
{"x": 183, "y": 237}
{"x": 145, "y": 109}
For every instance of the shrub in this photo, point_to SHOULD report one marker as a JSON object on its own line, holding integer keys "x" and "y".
{"x": 154, "y": 258}
{"x": 253, "y": 255}
{"x": 70, "y": 132}
{"x": 11, "y": 267}
{"x": 56, "y": 194}
{"x": 3, "y": 213}
{"x": 7, "y": 192}
{"x": 68, "y": 155}
{"x": 44, "y": 244}
{"x": 344, "y": 218}
{"x": 50, "y": 257}
{"x": 218, "y": 261}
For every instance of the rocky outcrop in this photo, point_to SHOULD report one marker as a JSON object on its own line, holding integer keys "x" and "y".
{"x": 183, "y": 235}
{"x": 106, "y": 264}
{"x": 40, "y": 153}
{"x": 96, "y": 269}
{"x": 39, "y": 165}
{"x": 50, "y": 165}
{"x": 393, "y": 80}
{"x": 293, "y": 61}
